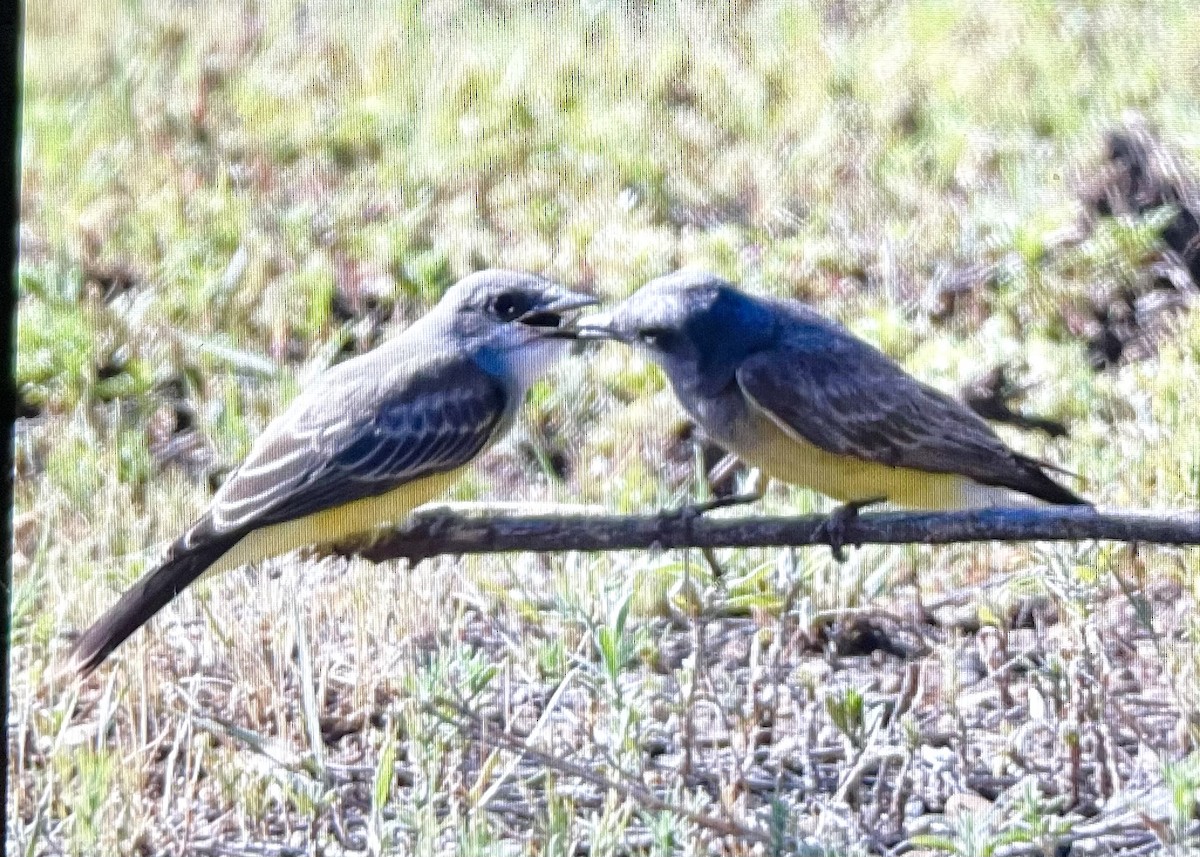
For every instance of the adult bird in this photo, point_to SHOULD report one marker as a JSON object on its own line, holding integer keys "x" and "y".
{"x": 799, "y": 397}
{"x": 371, "y": 439}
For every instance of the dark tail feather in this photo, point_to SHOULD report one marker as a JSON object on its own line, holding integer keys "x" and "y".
{"x": 183, "y": 564}
{"x": 1037, "y": 484}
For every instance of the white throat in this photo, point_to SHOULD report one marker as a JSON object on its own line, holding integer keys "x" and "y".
{"x": 530, "y": 361}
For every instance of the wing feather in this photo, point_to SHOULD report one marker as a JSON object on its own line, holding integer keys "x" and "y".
{"x": 352, "y": 438}
{"x": 843, "y": 396}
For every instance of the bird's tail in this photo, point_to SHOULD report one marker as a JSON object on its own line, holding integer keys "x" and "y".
{"x": 187, "y": 559}
{"x": 1037, "y": 483}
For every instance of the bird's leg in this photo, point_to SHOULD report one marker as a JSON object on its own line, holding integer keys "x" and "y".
{"x": 833, "y": 528}
{"x": 756, "y": 487}
{"x": 721, "y": 470}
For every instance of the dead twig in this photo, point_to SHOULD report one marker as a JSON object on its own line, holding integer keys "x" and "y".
{"x": 463, "y": 718}
{"x": 434, "y": 533}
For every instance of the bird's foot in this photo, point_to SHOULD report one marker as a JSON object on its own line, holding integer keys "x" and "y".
{"x": 687, "y": 515}
{"x": 834, "y": 528}
{"x": 719, "y": 503}
{"x": 756, "y": 487}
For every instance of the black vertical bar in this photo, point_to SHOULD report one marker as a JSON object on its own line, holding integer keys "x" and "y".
{"x": 10, "y": 187}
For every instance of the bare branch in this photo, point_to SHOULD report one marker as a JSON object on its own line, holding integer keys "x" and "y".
{"x": 434, "y": 533}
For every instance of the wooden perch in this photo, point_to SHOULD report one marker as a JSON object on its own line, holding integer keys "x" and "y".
{"x": 437, "y": 532}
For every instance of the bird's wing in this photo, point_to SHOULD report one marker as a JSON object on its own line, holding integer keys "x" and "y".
{"x": 361, "y": 431}
{"x": 361, "y": 434}
{"x": 848, "y": 399}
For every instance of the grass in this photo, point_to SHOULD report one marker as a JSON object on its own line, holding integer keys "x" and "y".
{"x": 219, "y": 201}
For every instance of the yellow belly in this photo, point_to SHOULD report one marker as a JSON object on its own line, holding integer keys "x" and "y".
{"x": 334, "y": 525}
{"x": 792, "y": 459}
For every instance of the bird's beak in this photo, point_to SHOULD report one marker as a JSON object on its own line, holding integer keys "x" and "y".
{"x": 554, "y": 316}
{"x": 599, "y": 327}
{"x": 593, "y": 332}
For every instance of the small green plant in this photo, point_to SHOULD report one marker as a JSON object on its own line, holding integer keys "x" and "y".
{"x": 615, "y": 645}
{"x": 846, "y": 708}
{"x": 1182, "y": 779}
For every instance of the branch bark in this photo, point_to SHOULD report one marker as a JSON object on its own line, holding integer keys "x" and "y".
{"x": 434, "y": 533}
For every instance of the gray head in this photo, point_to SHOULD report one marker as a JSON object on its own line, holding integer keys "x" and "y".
{"x": 695, "y": 325}
{"x": 517, "y": 323}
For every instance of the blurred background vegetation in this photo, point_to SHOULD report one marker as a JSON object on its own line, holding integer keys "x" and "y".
{"x": 221, "y": 199}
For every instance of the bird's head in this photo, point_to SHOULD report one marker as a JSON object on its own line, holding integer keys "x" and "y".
{"x": 695, "y": 325}
{"x": 518, "y": 323}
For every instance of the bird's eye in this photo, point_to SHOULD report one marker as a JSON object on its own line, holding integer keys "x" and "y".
{"x": 655, "y": 337}
{"x": 508, "y": 306}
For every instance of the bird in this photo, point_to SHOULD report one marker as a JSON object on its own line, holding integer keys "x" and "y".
{"x": 368, "y": 441}
{"x": 802, "y": 399}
